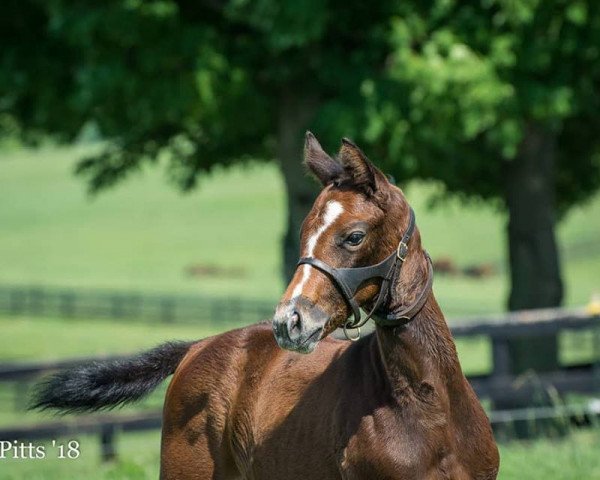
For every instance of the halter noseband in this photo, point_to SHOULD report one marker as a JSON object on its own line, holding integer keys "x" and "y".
{"x": 348, "y": 280}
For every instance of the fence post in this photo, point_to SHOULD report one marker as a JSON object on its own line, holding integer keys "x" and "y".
{"x": 500, "y": 357}
{"x": 16, "y": 302}
{"x": 132, "y": 307}
{"x": 21, "y": 389}
{"x": 596, "y": 355}
{"x": 167, "y": 310}
{"x": 237, "y": 310}
{"x": 116, "y": 306}
{"x": 36, "y": 306}
{"x": 500, "y": 371}
{"x": 107, "y": 443}
{"x": 67, "y": 305}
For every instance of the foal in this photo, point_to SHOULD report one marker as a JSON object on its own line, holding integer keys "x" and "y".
{"x": 393, "y": 405}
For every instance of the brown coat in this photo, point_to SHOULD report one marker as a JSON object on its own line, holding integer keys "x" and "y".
{"x": 394, "y": 405}
{"x": 240, "y": 407}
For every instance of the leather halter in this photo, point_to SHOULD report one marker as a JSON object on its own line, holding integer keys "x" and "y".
{"x": 348, "y": 280}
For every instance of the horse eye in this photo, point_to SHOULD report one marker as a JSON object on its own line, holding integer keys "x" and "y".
{"x": 354, "y": 239}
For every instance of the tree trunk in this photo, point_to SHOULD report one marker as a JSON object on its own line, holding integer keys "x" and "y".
{"x": 295, "y": 113}
{"x": 534, "y": 261}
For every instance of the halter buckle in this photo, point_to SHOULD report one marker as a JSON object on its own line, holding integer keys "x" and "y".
{"x": 348, "y": 336}
{"x": 402, "y": 251}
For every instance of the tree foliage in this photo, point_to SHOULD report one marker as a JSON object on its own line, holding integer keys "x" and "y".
{"x": 441, "y": 89}
{"x": 467, "y": 80}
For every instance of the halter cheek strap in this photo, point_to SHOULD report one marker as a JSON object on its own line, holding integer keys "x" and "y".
{"x": 403, "y": 315}
{"x": 348, "y": 280}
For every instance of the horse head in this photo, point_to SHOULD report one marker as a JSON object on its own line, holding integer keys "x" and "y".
{"x": 352, "y": 241}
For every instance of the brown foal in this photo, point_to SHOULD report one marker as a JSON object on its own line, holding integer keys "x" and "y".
{"x": 393, "y": 405}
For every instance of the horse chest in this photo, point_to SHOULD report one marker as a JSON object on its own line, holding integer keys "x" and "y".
{"x": 386, "y": 447}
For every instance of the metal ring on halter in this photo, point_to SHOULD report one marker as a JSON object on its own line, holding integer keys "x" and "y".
{"x": 352, "y": 339}
{"x": 402, "y": 251}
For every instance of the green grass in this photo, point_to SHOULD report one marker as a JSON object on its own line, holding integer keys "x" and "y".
{"x": 139, "y": 459}
{"x": 27, "y": 338}
{"x": 140, "y": 236}
{"x": 143, "y": 234}
{"x": 572, "y": 458}
{"x": 33, "y": 338}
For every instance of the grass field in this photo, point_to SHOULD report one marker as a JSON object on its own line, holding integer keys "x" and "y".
{"x": 143, "y": 235}
{"x": 25, "y": 339}
{"x": 573, "y": 458}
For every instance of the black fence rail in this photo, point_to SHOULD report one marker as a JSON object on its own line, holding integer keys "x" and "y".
{"x": 582, "y": 378}
{"x": 500, "y": 383}
{"x": 74, "y": 303}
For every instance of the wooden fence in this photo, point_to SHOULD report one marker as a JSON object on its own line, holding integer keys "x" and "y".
{"x": 73, "y": 303}
{"x": 582, "y": 378}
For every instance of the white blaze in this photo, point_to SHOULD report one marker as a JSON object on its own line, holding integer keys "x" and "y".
{"x": 333, "y": 210}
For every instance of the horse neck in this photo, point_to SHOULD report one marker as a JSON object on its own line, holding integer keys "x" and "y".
{"x": 422, "y": 351}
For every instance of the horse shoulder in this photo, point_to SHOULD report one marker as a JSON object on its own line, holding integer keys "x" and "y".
{"x": 197, "y": 405}
{"x": 407, "y": 437}
{"x": 212, "y": 370}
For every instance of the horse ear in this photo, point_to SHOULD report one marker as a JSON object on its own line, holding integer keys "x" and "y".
{"x": 362, "y": 173}
{"x": 322, "y": 166}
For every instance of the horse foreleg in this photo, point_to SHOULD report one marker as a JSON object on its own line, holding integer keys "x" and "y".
{"x": 181, "y": 460}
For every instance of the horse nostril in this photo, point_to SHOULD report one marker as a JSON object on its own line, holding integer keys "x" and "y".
{"x": 294, "y": 322}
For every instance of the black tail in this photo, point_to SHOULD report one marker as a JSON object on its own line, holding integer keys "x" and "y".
{"x": 111, "y": 383}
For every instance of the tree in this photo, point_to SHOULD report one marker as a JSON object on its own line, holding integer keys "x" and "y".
{"x": 198, "y": 83}
{"x": 499, "y": 100}
{"x": 496, "y": 99}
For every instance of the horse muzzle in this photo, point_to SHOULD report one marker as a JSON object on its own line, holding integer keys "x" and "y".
{"x": 298, "y": 325}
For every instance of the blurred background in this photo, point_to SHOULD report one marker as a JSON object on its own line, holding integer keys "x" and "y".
{"x": 151, "y": 188}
